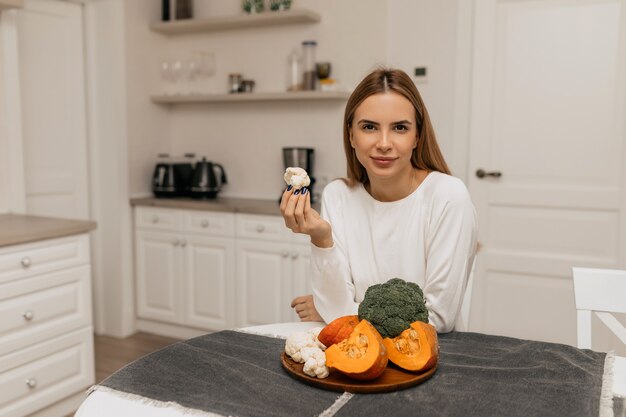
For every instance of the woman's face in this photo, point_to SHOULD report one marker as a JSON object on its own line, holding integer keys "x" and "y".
{"x": 383, "y": 135}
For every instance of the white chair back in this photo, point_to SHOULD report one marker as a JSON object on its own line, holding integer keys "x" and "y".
{"x": 602, "y": 292}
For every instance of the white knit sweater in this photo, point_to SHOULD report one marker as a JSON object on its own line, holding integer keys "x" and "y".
{"x": 428, "y": 237}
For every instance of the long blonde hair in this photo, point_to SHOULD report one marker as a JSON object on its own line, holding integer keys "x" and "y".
{"x": 426, "y": 155}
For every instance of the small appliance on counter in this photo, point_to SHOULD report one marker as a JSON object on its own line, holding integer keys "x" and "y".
{"x": 172, "y": 178}
{"x": 208, "y": 179}
{"x": 303, "y": 158}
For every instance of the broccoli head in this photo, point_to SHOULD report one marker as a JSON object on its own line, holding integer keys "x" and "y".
{"x": 392, "y": 307}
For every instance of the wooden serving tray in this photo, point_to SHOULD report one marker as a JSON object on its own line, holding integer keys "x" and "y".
{"x": 392, "y": 379}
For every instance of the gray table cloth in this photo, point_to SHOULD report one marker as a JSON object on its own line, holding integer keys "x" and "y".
{"x": 232, "y": 373}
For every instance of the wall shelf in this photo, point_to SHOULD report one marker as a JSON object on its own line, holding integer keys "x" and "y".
{"x": 251, "y": 97}
{"x": 268, "y": 18}
{"x": 11, "y": 4}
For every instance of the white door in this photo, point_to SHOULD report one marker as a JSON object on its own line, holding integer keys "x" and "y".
{"x": 262, "y": 289}
{"x": 547, "y": 108}
{"x": 52, "y": 86}
{"x": 209, "y": 293}
{"x": 159, "y": 280}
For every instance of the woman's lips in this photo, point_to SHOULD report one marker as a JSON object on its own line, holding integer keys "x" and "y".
{"x": 383, "y": 161}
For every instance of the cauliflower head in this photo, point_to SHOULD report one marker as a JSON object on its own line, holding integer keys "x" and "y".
{"x": 303, "y": 347}
{"x": 297, "y": 177}
{"x": 391, "y": 307}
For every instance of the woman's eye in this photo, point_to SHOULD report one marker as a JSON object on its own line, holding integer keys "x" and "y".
{"x": 402, "y": 128}
{"x": 368, "y": 126}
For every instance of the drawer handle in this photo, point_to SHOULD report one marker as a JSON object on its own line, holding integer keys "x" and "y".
{"x": 205, "y": 223}
{"x": 183, "y": 243}
{"x": 260, "y": 228}
{"x": 176, "y": 242}
{"x": 294, "y": 255}
{"x": 26, "y": 262}
{"x": 28, "y": 315}
{"x": 285, "y": 254}
{"x": 31, "y": 382}
{"x": 155, "y": 219}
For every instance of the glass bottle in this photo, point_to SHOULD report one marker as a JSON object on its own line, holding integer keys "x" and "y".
{"x": 309, "y": 77}
{"x": 294, "y": 70}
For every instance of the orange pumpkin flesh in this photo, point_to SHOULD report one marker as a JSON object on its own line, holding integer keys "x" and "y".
{"x": 338, "y": 330}
{"x": 361, "y": 356}
{"x": 415, "y": 349}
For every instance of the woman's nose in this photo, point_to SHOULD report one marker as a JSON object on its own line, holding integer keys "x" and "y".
{"x": 384, "y": 143}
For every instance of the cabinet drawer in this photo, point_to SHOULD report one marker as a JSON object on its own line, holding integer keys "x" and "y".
{"x": 210, "y": 223}
{"x": 21, "y": 261}
{"x": 42, "y": 307}
{"x": 157, "y": 218}
{"x": 43, "y": 374}
{"x": 262, "y": 227}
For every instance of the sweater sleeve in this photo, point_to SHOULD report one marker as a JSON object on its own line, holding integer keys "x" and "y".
{"x": 333, "y": 288}
{"x": 451, "y": 246}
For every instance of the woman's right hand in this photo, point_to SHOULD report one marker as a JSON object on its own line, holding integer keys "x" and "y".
{"x": 300, "y": 217}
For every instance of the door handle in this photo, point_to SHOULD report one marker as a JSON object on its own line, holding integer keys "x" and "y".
{"x": 481, "y": 173}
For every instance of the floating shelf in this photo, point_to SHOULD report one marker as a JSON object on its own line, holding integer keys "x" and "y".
{"x": 11, "y": 4}
{"x": 268, "y": 18}
{"x": 251, "y": 97}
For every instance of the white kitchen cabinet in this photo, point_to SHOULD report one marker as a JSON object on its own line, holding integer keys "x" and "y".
{"x": 158, "y": 275}
{"x": 46, "y": 335}
{"x": 272, "y": 269}
{"x": 185, "y": 268}
{"x": 203, "y": 270}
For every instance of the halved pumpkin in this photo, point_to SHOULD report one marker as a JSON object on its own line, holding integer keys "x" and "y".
{"x": 338, "y": 330}
{"x": 361, "y": 356}
{"x": 415, "y": 349}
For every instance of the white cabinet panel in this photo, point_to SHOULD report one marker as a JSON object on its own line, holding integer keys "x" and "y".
{"x": 157, "y": 219}
{"x": 44, "y": 306}
{"x": 158, "y": 276}
{"x": 209, "y": 223}
{"x": 209, "y": 282}
{"x": 40, "y": 375}
{"x": 30, "y": 259}
{"x": 250, "y": 226}
{"x": 263, "y": 292}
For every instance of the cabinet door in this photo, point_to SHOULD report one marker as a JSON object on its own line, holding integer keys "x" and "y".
{"x": 300, "y": 276}
{"x": 209, "y": 286}
{"x": 158, "y": 276}
{"x": 263, "y": 292}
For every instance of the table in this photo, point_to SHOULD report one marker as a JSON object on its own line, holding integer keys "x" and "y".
{"x": 106, "y": 402}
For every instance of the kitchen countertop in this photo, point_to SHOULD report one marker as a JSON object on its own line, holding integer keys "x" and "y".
{"x": 20, "y": 228}
{"x": 224, "y": 204}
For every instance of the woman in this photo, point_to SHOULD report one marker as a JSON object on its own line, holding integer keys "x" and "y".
{"x": 398, "y": 214}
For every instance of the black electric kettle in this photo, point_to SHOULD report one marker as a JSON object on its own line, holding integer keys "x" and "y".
{"x": 208, "y": 179}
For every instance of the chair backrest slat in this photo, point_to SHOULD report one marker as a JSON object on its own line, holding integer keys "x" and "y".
{"x": 600, "y": 289}
{"x": 612, "y": 323}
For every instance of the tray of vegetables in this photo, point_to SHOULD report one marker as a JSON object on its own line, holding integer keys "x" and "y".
{"x": 389, "y": 346}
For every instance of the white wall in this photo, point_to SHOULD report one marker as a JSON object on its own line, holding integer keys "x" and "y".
{"x": 354, "y": 35}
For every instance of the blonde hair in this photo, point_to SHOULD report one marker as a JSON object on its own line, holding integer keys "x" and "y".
{"x": 426, "y": 155}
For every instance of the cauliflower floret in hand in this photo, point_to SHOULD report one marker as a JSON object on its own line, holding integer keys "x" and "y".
{"x": 297, "y": 177}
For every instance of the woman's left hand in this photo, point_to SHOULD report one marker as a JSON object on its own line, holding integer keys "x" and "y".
{"x": 305, "y": 308}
